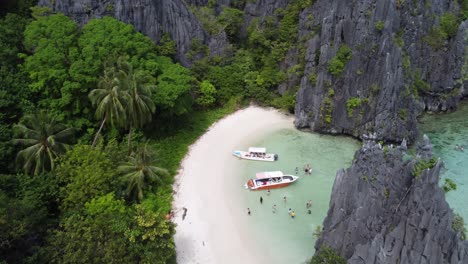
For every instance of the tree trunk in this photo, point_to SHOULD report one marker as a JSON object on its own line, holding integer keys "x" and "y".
{"x": 97, "y": 134}
{"x": 129, "y": 140}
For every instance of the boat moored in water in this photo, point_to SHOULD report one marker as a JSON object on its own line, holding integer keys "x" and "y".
{"x": 270, "y": 180}
{"x": 255, "y": 154}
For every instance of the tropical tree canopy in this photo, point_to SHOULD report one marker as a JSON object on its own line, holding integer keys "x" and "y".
{"x": 44, "y": 140}
{"x": 139, "y": 171}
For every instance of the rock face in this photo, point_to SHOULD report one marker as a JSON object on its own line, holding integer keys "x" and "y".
{"x": 153, "y": 18}
{"x": 393, "y": 73}
{"x": 380, "y": 213}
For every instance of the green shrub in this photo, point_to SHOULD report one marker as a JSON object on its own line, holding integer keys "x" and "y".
{"x": 286, "y": 102}
{"x": 338, "y": 63}
{"x": 353, "y": 103}
{"x": 449, "y": 185}
{"x": 318, "y": 232}
{"x": 449, "y": 24}
{"x": 327, "y": 110}
{"x": 379, "y": 26}
{"x": 313, "y": 78}
{"x": 436, "y": 38}
{"x": 419, "y": 85}
{"x": 327, "y": 255}
{"x": 423, "y": 165}
{"x": 386, "y": 192}
{"x": 402, "y": 114}
{"x": 407, "y": 65}
{"x": 458, "y": 224}
{"x": 206, "y": 96}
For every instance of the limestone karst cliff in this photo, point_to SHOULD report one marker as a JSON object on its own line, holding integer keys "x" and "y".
{"x": 399, "y": 63}
{"x": 382, "y": 210}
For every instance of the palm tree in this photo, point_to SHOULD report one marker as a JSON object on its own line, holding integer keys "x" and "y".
{"x": 109, "y": 99}
{"x": 139, "y": 171}
{"x": 44, "y": 140}
{"x": 140, "y": 105}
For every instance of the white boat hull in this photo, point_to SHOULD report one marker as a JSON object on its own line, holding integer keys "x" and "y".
{"x": 271, "y": 183}
{"x": 249, "y": 156}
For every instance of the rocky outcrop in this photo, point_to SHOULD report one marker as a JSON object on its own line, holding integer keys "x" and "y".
{"x": 393, "y": 73}
{"x": 380, "y": 213}
{"x": 153, "y": 18}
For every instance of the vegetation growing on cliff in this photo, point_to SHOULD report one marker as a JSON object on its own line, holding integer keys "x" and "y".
{"x": 327, "y": 255}
{"x": 337, "y": 64}
{"x": 423, "y": 165}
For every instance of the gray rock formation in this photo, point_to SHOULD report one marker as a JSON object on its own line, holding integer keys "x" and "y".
{"x": 380, "y": 213}
{"x": 390, "y": 59}
{"x": 152, "y": 18}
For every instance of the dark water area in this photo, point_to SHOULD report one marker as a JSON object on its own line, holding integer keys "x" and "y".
{"x": 447, "y": 131}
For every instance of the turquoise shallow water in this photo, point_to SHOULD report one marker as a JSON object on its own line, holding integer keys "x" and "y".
{"x": 281, "y": 238}
{"x": 445, "y": 131}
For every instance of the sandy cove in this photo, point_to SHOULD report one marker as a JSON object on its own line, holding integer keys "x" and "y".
{"x": 213, "y": 230}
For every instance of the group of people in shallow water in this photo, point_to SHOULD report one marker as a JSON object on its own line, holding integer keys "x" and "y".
{"x": 291, "y": 212}
{"x": 460, "y": 148}
{"x": 307, "y": 169}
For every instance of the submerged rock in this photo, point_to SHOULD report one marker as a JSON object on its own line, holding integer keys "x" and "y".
{"x": 380, "y": 212}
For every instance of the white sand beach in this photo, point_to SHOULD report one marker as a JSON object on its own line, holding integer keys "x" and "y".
{"x": 213, "y": 230}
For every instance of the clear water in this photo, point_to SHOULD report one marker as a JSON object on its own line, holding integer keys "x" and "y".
{"x": 281, "y": 238}
{"x": 446, "y": 131}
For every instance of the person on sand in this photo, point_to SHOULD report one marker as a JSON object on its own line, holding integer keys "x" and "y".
{"x": 273, "y": 208}
{"x": 185, "y": 213}
{"x": 248, "y": 211}
{"x": 261, "y": 200}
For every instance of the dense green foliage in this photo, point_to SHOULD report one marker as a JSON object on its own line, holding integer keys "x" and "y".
{"x": 449, "y": 185}
{"x": 77, "y": 205}
{"x": 449, "y": 24}
{"x": 44, "y": 139}
{"x": 328, "y": 256}
{"x": 458, "y": 224}
{"x": 423, "y": 165}
{"x": 337, "y": 64}
{"x": 379, "y": 25}
{"x": 435, "y": 38}
{"x": 353, "y": 103}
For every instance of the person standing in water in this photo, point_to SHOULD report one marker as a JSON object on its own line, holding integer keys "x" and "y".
{"x": 248, "y": 211}
{"x": 261, "y": 200}
{"x": 273, "y": 208}
{"x": 284, "y": 199}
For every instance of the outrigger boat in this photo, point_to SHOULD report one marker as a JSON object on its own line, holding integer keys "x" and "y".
{"x": 270, "y": 180}
{"x": 255, "y": 154}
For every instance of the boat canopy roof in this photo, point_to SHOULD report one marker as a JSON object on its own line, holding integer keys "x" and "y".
{"x": 268, "y": 174}
{"x": 257, "y": 150}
